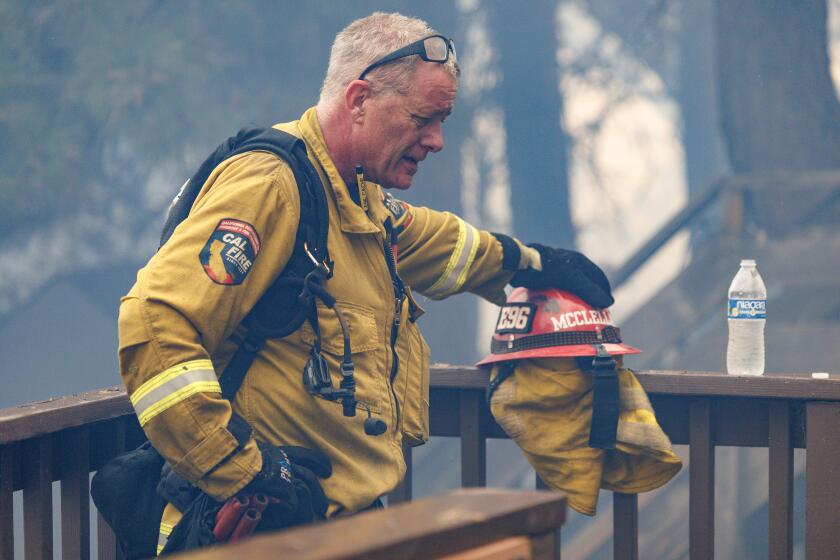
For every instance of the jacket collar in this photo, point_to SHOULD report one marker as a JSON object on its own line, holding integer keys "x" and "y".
{"x": 352, "y": 217}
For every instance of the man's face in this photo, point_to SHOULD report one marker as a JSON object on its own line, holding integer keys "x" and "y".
{"x": 401, "y": 130}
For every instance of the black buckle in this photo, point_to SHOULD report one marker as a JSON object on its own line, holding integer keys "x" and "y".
{"x": 603, "y": 363}
{"x": 316, "y": 375}
{"x": 317, "y": 381}
{"x": 321, "y": 266}
{"x": 348, "y": 387}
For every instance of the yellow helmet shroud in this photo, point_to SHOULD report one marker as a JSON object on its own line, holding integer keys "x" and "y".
{"x": 546, "y": 408}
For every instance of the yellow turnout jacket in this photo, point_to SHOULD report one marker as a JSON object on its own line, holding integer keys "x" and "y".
{"x": 178, "y": 326}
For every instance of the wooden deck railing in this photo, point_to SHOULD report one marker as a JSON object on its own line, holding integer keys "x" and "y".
{"x": 465, "y": 524}
{"x": 65, "y": 439}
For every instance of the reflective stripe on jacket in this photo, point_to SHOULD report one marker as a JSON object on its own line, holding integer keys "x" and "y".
{"x": 179, "y": 326}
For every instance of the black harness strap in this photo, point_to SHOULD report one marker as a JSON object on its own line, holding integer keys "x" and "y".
{"x": 234, "y": 373}
{"x": 240, "y": 429}
{"x": 281, "y": 309}
{"x": 506, "y": 369}
{"x": 605, "y": 401}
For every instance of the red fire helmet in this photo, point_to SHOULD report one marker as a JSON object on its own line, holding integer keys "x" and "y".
{"x": 551, "y": 323}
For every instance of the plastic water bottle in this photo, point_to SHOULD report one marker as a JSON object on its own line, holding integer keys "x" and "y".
{"x": 746, "y": 313}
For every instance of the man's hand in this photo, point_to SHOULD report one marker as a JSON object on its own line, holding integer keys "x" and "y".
{"x": 567, "y": 270}
{"x": 290, "y": 474}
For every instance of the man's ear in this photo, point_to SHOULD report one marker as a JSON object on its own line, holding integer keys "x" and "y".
{"x": 356, "y": 95}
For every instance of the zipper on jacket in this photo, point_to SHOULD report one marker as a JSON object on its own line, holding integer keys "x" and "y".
{"x": 399, "y": 297}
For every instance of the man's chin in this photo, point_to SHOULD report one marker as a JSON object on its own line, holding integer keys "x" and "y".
{"x": 401, "y": 183}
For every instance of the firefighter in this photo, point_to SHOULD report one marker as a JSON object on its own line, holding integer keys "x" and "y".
{"x": 581, "y": 419}
{"x": 390, "y": 85}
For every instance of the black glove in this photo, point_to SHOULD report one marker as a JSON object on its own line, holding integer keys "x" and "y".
{"x": 569, "y": 271}
{"x": 175, "y": 489}
{"x": 290, "y": 474}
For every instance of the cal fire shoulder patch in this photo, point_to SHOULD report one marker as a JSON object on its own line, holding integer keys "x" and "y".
{"x": 400, "y": 211}
{"x": 229, "y": 254}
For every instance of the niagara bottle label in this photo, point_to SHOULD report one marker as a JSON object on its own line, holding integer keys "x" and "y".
{"x": 747, "y": 309}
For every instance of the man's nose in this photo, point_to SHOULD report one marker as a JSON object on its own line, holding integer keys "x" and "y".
{"x": 432, "y": 138}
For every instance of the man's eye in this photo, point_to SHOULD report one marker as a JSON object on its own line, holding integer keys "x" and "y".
{"x": 420, "y": 121}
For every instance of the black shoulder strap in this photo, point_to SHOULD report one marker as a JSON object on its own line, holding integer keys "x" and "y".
{"x": 278, "y": 313}
{"x": 285, "y": 146}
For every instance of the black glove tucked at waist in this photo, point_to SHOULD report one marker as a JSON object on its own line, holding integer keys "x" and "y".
{"x": 570, "y": 271}
{"x": 290, "y": 474}
{"x": 175, "y": 489}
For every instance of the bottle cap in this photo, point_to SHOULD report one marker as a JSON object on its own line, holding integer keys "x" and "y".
{"x": 747, "y": 262}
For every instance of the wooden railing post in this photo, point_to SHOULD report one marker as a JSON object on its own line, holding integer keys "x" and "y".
{"x": 701, "y": 501}
{"x": 8, "y": 458}
{"x": 556, "y": 539}
{"x": 473, "y": 440}
{"x": 546, "y": 546}
{"x": 822, "y": 484}
{"x": 625, "y": 526}
{"x": 75, "y": 494}
{"x": 105, "y": 538}
{"x": 37, "y": 498}
{"x": 780, "y": 491}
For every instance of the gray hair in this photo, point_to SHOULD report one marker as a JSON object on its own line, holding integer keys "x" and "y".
{"x": 368, "y": 39}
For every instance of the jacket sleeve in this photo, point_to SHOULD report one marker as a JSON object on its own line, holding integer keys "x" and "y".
{"x": 188, "y": 299}
{"x": 440, "y": 254}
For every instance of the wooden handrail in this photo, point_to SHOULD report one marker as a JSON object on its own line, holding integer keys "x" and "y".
{"x": 699, "y": 383}
{"x": 26, "y": 421}
{"x": 23, "y": 422}
{"x": 428, "y": 528}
